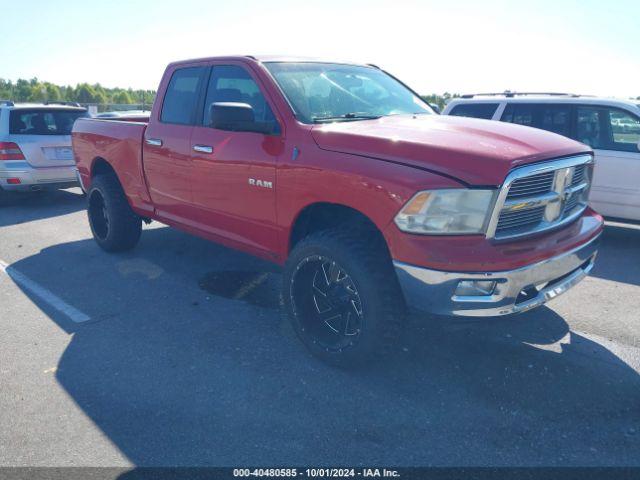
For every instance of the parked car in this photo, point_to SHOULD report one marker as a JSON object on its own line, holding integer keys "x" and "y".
{"x": 35, "y": 147}
{"x": 124, "y": 114}
{"x": 610, "y": 127}
{"x": 344, "y": 176}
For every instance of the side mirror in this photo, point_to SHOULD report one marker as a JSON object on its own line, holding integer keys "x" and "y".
{"x": 236, "y": 117}
{"x": 435, "y": 108}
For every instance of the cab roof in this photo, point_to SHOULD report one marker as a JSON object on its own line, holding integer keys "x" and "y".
{"x": 272, "y": 59}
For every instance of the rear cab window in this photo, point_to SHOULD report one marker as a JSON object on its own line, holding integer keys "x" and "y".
{"x": 42, "y": 121}
{"x": 475, "y": 110}
{"x": 181, "y": 96}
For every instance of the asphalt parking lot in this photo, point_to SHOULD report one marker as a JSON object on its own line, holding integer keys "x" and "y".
{"x": 176, "y": 354}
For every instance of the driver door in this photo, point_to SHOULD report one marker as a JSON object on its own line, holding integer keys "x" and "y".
{"x": 234, "y": 172}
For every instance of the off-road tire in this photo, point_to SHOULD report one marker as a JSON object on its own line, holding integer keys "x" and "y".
{"x": 369, "y": 266}
{"x": 115, "y": 226}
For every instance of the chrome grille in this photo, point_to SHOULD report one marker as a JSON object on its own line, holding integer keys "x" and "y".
{"x": 518, "y": 220}
{"x": 572, "y": 203}
{"x": 534, "y": 185}
{"x": 537, "y": 197}
{"x": 578, "y": 175}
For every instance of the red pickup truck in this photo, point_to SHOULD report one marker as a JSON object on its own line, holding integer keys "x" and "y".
{"x": 343, "y": 175}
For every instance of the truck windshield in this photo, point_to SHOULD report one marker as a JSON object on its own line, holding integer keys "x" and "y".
{"x": 327, "y": 92}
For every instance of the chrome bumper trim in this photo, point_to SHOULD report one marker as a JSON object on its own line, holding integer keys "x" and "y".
{"x": 434, "y": 290}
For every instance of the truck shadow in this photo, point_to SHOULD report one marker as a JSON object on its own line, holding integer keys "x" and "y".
{"x": 28, "y": 207}
{"x": 174, "y": 375}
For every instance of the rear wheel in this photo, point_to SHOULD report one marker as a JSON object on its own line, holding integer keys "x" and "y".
{"x": 343, "y": 298}
{"x": 114, "y": 225}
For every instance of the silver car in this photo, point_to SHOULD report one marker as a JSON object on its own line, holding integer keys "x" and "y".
{"x": 35, "y": 146}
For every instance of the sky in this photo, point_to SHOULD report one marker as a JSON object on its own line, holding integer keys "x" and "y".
{"x": 462, "y": 46}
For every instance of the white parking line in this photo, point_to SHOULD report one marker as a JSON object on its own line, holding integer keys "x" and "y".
{"x": 57, "y": 303}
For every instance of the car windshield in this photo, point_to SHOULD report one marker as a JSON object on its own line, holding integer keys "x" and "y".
{"x": 44, "y": 121}
{"x": 326, "y": 92}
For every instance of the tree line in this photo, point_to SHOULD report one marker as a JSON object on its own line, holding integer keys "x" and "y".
{"x": 36, "y": 91}
{"x": 439, "y": 100}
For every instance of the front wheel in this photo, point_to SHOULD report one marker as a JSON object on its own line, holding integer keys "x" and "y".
{"x": 114, "y": 225}
{"x": 342, "y": 296}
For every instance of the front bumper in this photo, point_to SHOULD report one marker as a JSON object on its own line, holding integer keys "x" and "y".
{"x": 515, "y": 291}
{"x": 36, "y": 178}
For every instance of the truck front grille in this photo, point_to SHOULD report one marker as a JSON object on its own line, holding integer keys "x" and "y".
{"x": 535, "y": 198}
{"x": 513, "y": 221}
{"x": 534, "y": 185}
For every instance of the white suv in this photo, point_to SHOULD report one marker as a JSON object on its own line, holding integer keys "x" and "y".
{"x": 610, "y": 127}
{"x": 35, "y": 146}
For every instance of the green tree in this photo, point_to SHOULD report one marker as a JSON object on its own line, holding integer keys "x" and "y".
{"x": 68, "y": 94}
{"x": 22, "y": 91}
{"x": 38, "y": 92}
{"x": 101, "y": 95}
{"x": 6, "y": 89}
{"x": 84, "y": 93}
{"x": 122, "y": 97}
{"x": 34, "y": 90}
{"x": 440, "y": 100}
{"x": 53, "y": 92}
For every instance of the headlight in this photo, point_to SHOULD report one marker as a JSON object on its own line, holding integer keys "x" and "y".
{"x": 442, "y": 212}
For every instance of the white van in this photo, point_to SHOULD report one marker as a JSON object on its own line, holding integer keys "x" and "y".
{"x": 611, "y": 127}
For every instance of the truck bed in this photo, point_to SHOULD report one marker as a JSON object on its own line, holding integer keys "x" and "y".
{"x": 119, "y": 141}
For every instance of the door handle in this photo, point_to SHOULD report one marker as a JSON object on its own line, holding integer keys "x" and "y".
{"x": 156, "y": 142}
{"x": 203, "y": 148}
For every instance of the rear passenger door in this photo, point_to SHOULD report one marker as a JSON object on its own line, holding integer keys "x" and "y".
{"x": 234, "y": 172}
{"x": 614, "y": 135}
{"x": 552, "y": 117}
{"x": 167, "y": 145}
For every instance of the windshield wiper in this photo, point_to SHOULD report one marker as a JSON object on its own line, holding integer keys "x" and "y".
{"x": 345, "y": 117}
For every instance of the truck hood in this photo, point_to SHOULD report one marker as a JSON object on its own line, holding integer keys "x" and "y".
{"x": 476, "y": 152}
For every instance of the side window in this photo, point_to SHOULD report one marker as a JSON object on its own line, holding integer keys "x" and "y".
{"x": 589, "y": 123}
{"x": 181, "y": 97}
{"x": 230, "y": 83}
{"x": 608, "y": 129}
{"x": 475, "y": 110}
{"x": 553, "y": 118}
{"x": 625, "y": 130}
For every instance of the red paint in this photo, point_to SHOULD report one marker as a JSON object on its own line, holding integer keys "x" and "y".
{"x": 10, "y": 151}
{"x": 372, "y": 166}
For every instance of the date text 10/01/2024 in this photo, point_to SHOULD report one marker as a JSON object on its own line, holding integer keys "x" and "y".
{"x": 316, "y": 472}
